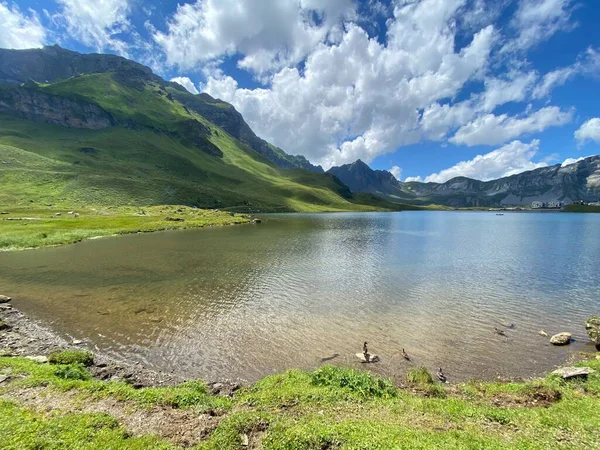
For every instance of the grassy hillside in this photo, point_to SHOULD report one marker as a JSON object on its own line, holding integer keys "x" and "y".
{"x": 60, "y": 406}
{"x": 161, "y": 153}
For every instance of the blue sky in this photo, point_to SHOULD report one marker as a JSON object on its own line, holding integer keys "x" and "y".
{"x": 429, "y": 89}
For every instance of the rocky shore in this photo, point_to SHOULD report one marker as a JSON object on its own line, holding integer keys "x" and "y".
{"x": 22, "y": 336}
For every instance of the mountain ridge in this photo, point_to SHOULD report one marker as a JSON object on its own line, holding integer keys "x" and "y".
{"x": 574, "y": 182}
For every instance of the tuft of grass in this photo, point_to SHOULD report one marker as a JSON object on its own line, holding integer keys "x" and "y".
{"x": 419, "y": 376}
{"x": 363, "y": 384}
{"x": 84, "y": 358}
{"x": 75, "y": 371}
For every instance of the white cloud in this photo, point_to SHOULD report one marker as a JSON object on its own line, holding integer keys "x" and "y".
{"x": 397, "y": 172}
{"x": 359, "y": 98}
{"x": 97, "y": 23}
{"x": 411, "y": 179}
{"x": 514, "y": 88}
{"x": 19, "y": 30}
{"x": 270, "y": 35}
{"x": 552, "y": 80}
{"x": 186, "y": 83}
{"x": 570, "y": 161}
{"x": 510, "y": 159}
{"x": 537, "y": 20}
{"x": 491, "y": 129}
{"x": 589, "y": 131}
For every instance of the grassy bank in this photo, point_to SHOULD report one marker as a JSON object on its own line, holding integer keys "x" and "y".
{"x": 60, "y": 406}
{"x": 41, "y": 227}
{"x": 582, "y": 208}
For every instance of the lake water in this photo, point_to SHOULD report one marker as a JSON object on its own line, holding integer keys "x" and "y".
{"x": 246, "y": 301}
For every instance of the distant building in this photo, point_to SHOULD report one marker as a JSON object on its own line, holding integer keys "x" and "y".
{"x": 555, "y": 204}
{"x": 537, "y": 205}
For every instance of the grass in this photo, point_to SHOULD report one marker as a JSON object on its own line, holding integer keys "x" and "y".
{"x": 582, "y": 208}
{"x": 31, "y": 227}
{"x": 332, "y": 407}
{"x": 84, "y": 358}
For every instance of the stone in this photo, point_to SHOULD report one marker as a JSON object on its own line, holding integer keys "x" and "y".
{"x": 542, "y": 333}
{"x": 77, "y": 342}
{"x": 257, "y": 221}
{"x": 38, "y": 359}
{"x": 573, "y": 372}
{"x": 592, "y": 326}
{"x": 245, "y": 440}
{"x": 4, "y": 299}
{"x": 372, "y": 358}
{"x": 4, "y": 326}
{"x": 561, "y": 339}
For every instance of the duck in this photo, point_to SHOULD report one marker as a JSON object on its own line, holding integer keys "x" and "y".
{"x": 405, "y": 355}
{"x": 441, "y": 376}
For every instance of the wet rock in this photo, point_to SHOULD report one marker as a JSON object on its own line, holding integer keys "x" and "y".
{"x": 542, "y": 333}
{"x": 561, "y": 339}
{"x": 223, "y": 388}
{"x": 592, "y": 326}
{"x": 38, "y": 359}
{"x": 77, "y": 342}
{"x": 257, "y": 221}
{"x": 4, "y": 299}
{"x": 573, "y": 372}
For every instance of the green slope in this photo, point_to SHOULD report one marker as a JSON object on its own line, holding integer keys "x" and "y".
{"x": 159, "y": 152}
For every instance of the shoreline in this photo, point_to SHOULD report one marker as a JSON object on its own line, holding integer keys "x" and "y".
{"x": 111, "y": 404}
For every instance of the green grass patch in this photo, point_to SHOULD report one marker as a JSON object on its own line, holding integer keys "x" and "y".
{"x": 84, "y": 358}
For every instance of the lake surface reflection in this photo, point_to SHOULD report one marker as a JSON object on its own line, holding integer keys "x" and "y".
{"x": 246, "y": 301}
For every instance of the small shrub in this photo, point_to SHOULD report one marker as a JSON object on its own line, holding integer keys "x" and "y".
{"x": 362, "y": 383}
{"x": 72, "y": 357}
{"x": 419, "y": 376}
{"x": 75, "y": 371}
{"x": 436, "y": 390}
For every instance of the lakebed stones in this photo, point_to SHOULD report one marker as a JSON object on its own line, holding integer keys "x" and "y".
{"x": 573, "y": 372}
{"x": 592, "y": 326}
{"x": 561, "y": 339}
{"x": 4, "y": 299}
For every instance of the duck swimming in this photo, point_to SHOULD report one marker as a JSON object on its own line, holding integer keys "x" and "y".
{"x": 405, "y": 355}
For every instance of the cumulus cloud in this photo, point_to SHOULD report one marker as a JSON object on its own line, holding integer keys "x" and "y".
{"x": 270, "y": 35}
{"x": 20, "y": 30}
{"x": 491, "y": 129}
{"x": 411, "y": 179}
{"x": 186, "y": 83}
{"x": 397, "y": 172}
{"x": 514, "y": 88}
{"x": 510, "y": 159}
{"x": 589, "y": 131}
{"x": 97, "y": 23}
{"x": 537, "y": 20}
{"x": 359, "y": 98}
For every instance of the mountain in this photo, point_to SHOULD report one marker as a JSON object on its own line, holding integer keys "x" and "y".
{"x": 100, "y": 129}
{"x": 359, "y": 177}
{"x": 578, "y": 181}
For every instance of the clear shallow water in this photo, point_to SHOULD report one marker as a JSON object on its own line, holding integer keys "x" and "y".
{"x": 247, "y": 301}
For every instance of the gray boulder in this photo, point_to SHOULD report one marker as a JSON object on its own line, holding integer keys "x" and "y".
{"x": 4, "y": 299}
{"x": 561, "y": 339}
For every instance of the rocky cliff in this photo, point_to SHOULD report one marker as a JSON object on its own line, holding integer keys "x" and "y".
{"x": 31, "y": 104}
{"x": 579, "y": 181}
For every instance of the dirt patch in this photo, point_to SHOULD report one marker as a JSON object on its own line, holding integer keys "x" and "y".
{"x": 181, "y": 427}
{"x": 536, "y": 396}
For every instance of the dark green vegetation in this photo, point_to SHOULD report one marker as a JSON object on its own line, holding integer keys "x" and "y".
{"x": 579, "y": 181}
{"x": 583, "y": 208}
{"x": 97, "y": 130}
{"x": 71, "y": 357}
{"x": 330, "y": 408}
{"x": 30, "y": 227}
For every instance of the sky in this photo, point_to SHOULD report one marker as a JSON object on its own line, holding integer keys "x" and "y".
{"x": 428, "y": 89}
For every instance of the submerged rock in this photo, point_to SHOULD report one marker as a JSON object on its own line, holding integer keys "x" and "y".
{"x": 542, "y": 333}
{"x": 561, "y": 339}
{"x": 592, "y": 326}
{"x": 4, "y": 299}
